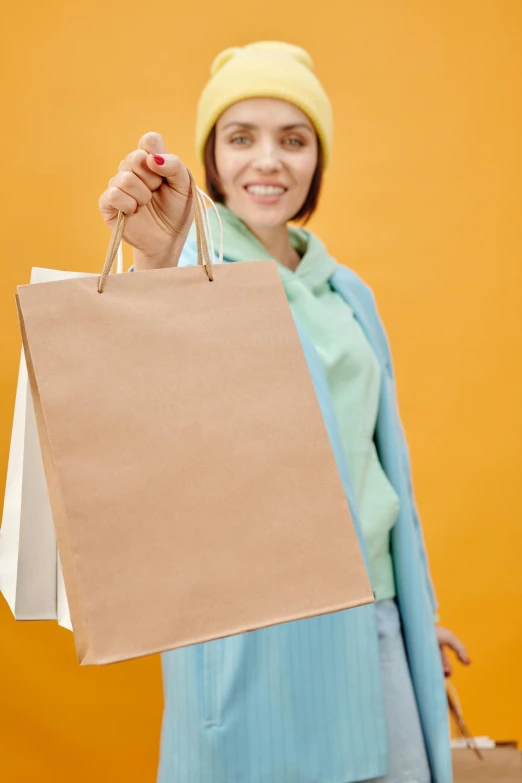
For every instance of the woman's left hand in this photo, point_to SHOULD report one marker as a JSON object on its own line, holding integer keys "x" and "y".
{"x": 448, "y": 641}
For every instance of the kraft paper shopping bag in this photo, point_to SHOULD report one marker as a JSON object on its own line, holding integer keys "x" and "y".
{"x": 498, "y": 765}
{"x": 193, "y": 487}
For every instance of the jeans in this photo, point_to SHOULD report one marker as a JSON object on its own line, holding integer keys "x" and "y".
{"x": 408, "y": 761}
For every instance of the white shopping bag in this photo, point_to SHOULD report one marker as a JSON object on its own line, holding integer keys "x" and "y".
{"x": 62, "y": 607}
{"x": 27, "y": 544}
{"x": 31, "y": 579}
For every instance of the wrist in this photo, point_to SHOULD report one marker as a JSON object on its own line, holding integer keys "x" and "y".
{"x": 163, "y": 259}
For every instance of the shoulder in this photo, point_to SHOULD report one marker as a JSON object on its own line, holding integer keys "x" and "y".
{"x": 362, "y": 300}
{"x": 351, "y": 284}
{"x": 349, "y": 278}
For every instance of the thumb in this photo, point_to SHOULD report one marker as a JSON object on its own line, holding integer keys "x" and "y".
{"x": 153, "y": 143}
{"x": 172, "y": 169}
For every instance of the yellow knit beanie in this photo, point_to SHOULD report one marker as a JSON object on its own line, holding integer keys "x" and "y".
{"x": 266, "y": 69}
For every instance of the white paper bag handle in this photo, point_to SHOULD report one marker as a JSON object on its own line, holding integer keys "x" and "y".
{"x": 119, "y": 259}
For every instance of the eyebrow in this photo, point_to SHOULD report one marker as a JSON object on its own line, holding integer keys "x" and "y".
{"x": 250, "y": 126}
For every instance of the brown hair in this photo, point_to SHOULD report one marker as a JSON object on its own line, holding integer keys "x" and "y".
{"x": 215, "y": 191}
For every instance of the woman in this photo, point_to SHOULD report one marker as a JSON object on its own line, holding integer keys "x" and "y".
{"x": 351, "y": 696}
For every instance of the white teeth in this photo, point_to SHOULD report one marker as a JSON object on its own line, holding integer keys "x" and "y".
{"x": 265, "y": 190}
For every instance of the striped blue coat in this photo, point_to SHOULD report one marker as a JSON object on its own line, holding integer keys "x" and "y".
{"x": 302, "y": 702}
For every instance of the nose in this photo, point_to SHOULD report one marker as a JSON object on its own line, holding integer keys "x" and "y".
{"x": 268, "y": 159}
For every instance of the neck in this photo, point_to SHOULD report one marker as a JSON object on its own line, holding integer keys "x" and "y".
{"x": 277, "y": 242}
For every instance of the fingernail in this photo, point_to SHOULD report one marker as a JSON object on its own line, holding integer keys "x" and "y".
{"x": 159, "y": 160}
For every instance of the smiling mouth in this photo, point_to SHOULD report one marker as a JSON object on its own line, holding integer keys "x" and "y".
{"x": 265, "y": 190}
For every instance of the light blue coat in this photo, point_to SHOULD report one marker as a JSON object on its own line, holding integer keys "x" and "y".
{"x": 302, "y": 702}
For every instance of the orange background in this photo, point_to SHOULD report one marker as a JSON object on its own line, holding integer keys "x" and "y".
{"x": 423, "y": 199}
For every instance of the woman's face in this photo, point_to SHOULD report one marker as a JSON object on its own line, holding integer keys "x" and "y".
{"x": 266, "y": 155}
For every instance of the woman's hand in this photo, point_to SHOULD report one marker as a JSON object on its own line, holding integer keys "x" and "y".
{"x": 448, "y": 640}
{"x": 152, "y": 188}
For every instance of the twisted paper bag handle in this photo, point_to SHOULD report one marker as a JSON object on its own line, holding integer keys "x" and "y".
{"x": 203, "y": 235}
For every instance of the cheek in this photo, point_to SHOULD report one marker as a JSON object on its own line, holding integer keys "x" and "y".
{"x": 304, "y": 170}
{"x": 226, "y": 165}
{"x": 299, "y": 192}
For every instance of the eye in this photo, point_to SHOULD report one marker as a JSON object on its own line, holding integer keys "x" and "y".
{"x": 293, "y": 141}
{"x": 239, "y": 139}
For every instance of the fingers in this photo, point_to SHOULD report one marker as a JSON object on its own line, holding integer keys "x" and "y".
{"x": 114, "y": 200}
{"x": 448, "y": 639}
{"x": 147, "y": 170}
{"x": 446, "y": 663}
{"x": 132, "y": 185}
{"x": 131, "y": 188}
{"x": 158, "y": 160}
{"x": 172, "y": 169}
{"x": 137, "y": 163}
{"x": 458, "y": 647}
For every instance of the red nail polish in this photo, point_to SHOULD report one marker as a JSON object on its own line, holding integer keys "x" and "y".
{"x": 159, "y": 160}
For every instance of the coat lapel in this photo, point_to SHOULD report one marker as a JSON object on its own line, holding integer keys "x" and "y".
{"x": 358, "y": 296}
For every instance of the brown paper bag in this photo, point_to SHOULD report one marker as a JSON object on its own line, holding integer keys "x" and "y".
{"x": 192, "y": 483}
{"x": 498, "y": 765}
